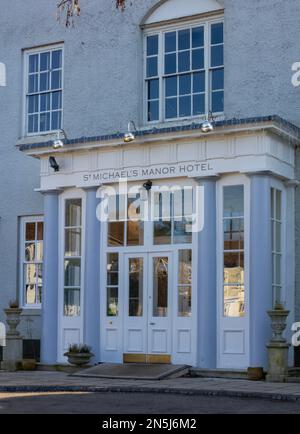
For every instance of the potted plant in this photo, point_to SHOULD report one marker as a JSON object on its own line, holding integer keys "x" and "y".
{"x": 13, "y": 317}
{"x": 79, "y": 354}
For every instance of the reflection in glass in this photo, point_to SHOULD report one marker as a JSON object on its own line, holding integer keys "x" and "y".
{"x": 234, "y": 268}
{"x": 234, "y": 234}
{"x": 72, "y": 302}
{"x": 136, "y": 283}
{"x": 234, "y": 201}
{"x": 112, "y": 301}
{"x": 30, "y": 294}
{"x": 29, "y": 252}
{"x": 116, "y": 234}
{"x": 73, "y": 213}
{"x": 185, "y": 283}
{"x": 135, "y": 224}
{"x": 73, "y": 242}
{"x": 72, "y": 272}
{"x": 234, "y": 301}
{"x": 160, "y": 286}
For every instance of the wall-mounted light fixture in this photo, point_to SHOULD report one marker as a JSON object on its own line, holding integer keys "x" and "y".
{"x": 148, "y": 185}
{"x": 58, "y": 142}
{"x": 207, "y": 126}
{"x": 130, "y": 136}
{"x": 54, "y": 164}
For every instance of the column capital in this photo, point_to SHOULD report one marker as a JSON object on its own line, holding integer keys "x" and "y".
{"x": 211, "y": 178}
{"x": 53, "y": 191}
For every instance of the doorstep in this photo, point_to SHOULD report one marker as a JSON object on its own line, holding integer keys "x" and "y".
{"x": 232, "y": 374}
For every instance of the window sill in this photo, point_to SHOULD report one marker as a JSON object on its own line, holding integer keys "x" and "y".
{"x": 181, "y": 122}
{"x": 37, "y": 138}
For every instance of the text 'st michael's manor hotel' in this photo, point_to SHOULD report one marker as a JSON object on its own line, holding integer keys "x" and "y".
{"x": 186, "y": 101}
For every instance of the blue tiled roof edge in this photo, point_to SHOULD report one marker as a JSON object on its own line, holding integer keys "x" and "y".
{"x": 193, "y": 126}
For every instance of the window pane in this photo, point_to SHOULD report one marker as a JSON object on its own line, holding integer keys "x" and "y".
{"x": 29, "y": 252}
{"x": 234, "y": 268}
{"x": 56, "y": 59}
{"x": 170, "y": 63}
{"x": 44, "y": 81}
{"x": 136, "y": 283}
{"x": 184, "y": 301}
{"x": 33, "y": 63}
{"x": 185, "y": 106}
{"x": 217, "y": 102}
{"x": 135, "y": 224}
{"x": 56, "y": 80}
{"x": 278, "y": 237}
{"x": 182, "y": 232}
{"x": 162, "y": 233}
{"x": 184, "y": 39}
{"x": 171, "y": 86}
{"x": 152, "y": 67}
{"x": 33, "y": 123}
{"x": 184, "y": 61}
{"x": 56, "y": 100}
{"x": 152, "y": 45}
{"x": 234, "y": 201}
{"x": 33, "y": 104}
{"x": 198, "y": 104}
{"x": 116, "y": 234}
{"x": 56, "y": 120}
{"x": 153, "y": 89}
{"x": 39, "y": 250}
{"x": 233, "y": 234}
{"x": 45, "y": 102}
{"x": 72, "y": 272}
{"x": 45, "y": 122}
{"x": 185, "y": 267}
{"x": 217, "y": 55}
{"x": 153, "y": 111}
{"x": 199, "y": 82}
{"x": 170, "y": 42}
{"x": 72, "y": 242}
{"x": 198, "y": 37}
{"x": 185, "y": 84}
{"x": 30, "y": 231}
{"x": 217, "y": 33}
{"x": 45, "y": 62}
{"x": 112, "y": 269}
{"x": 33, "y": 83}
{"x": 278, "y": 204}
{"x": 112, "y": 301}
{"x": 30, "y": 294}
{"x": 160, "y": 287}
{"x": 198, "y": 59}
{"x": 30, "y": 273}
{"x": 234, "y": 301}
{"x": 171, "y": 108}
{"x": 72, "y": 302}
{"x": 217, "y": 79}
{"x": 73, "y": 212}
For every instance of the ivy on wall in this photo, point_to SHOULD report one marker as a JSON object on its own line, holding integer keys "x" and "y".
{"x": 68, "y": 9}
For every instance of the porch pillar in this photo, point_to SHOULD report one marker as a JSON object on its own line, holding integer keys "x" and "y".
{"x": 260, "y": 273}
{"x": 50, "y": 279}
{"x": 207, "y": 280}
{"x": 92, "y": 274}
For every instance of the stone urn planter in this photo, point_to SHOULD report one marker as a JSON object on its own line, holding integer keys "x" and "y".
{"x": 13, "y": 318}
{"x": 278, "y": 347}
{"x": 79, "y": 355}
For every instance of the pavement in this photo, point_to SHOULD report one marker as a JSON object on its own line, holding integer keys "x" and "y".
{"x": 46, "y": 381}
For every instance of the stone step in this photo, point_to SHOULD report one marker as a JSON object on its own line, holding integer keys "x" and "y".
{"x": 219, "y": 373}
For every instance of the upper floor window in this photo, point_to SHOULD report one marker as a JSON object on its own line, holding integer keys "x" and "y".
{"x": 184, "y": 72}
{"x": 44, "y": 90}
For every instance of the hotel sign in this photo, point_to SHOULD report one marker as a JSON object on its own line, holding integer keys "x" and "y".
{"x": 193, "y": 169}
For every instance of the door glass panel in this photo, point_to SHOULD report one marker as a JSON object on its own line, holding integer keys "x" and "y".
{"x": 185, "y": 283}
{"x": 136, "y": 276}
{"x": 112, "y": 284}
{"x": 135, "y": 225}
{"x": 160, "y": 286}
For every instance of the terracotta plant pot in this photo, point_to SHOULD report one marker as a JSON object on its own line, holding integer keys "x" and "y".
{"x": 256, "y": 374}
{"x": 78, "y": 359}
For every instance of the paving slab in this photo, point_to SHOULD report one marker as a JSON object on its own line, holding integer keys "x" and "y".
{"x": 59, "y": 381}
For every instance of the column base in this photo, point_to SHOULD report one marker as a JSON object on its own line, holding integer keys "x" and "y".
{"x": 12, "y": 354}
{"x": 278, "y": 362}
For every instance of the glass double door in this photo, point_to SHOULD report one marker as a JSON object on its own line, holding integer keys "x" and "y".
{"x": 147, "y": 304}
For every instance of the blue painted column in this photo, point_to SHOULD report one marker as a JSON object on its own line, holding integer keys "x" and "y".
{"x": 260, "y": 273}
{"x": 207, "y": 279}
{"x": 50, "y": 279}
{"x": 92, "y": 274}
